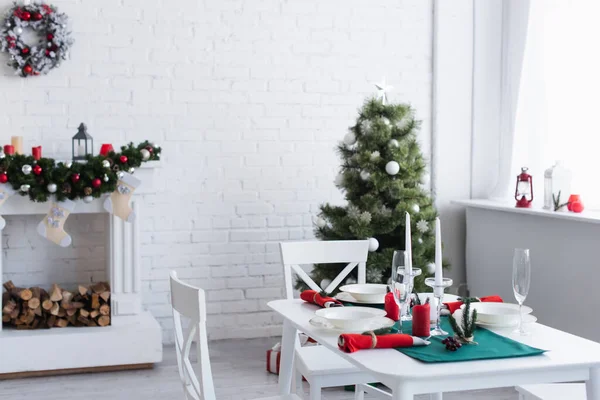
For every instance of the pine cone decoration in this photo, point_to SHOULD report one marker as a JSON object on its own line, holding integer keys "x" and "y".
{"x": 116, "y": 168}
{"x": 87, "y": 190}
{"x": 66, "y": 188}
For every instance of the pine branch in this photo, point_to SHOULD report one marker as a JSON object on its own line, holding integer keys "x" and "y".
{"x": 457, "y": 331}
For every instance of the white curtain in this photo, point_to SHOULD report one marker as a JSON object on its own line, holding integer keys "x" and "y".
{"x": 558, "y": 97}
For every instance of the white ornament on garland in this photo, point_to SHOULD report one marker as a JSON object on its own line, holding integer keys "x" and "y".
{"x": 26, "y": 169}
{"x": 373, "y": 244}
{"x": 68, "y": 164}
{"x": 430, "y": 268}
{"x": 320, "y": 222}
{"x": 106, "y": 178}
{"x": 88, "y": 199}
{"x": 415, "y": 208}
{"x": 25, "y": 188}
{"x": 145, "y": 154}
{"x": 106, "y": 163}
{"x": 350, "y": 138}
{"x": 423, "y": 226}
{"x": 365, "y": 175}
{"x": 392, "y": 168}
{"x": 324, "y": 283}
{"x": 386, "y": 121}
{"x": 51, "y": 187}
{"x": 375, "y": 155}
{"x": 394, "y": 143}
{"x": 420, "y": 241}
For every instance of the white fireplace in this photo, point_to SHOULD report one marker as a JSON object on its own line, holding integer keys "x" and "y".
{"x": 133, "y": 340}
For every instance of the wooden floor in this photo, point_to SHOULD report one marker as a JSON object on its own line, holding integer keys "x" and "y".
{"x": 238, "y": 369}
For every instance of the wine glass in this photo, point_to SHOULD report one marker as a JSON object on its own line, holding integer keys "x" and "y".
{"x": 521, "y": 278}
{"x": 399, "y": 284}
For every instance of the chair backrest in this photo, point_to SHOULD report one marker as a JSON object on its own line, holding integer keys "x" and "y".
{"x": 190, "y": 302}
{"x": 293, "y": 254}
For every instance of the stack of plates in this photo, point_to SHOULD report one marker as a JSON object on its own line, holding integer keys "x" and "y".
{"x": 363, "y": 293}
{"x": 498, "y": 315}
{"x": 351, "y": 319}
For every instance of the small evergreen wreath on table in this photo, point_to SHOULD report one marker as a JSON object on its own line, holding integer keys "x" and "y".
{"x": 51, "y": 28}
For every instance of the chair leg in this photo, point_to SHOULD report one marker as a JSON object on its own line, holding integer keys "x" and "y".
{"x": 359, "y": 393}
{"x": 315, "y": 391}
{"x": 299, "y": 390}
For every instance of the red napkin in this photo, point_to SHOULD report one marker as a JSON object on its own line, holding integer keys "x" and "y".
{"x": 391, "y": 307}
{"x": 420, "y": 320}
{"x": 455, "y": 305}
{"x": 314, "y": 297}
{"x": 351, "y": 342}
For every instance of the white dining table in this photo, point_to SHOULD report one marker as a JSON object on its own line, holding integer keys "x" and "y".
{"x": 569, "y": 358}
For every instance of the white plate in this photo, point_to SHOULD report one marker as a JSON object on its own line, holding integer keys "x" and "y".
{"x": 349, "y": 317}
{"x": 366, "y": 292}
{"x": 527, "y": 319}
{"x": 347, "y": 297}
{"x": 370, "y": 325}
{"x": 498, "y": 313}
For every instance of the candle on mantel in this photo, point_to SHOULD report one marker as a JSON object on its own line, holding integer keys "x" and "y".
{"x": 438, "y": 253}
{"x": 9, "y": 149}
{"x": 17, "y": 142}
{"x": 105, "y": 149}
{"x": 408, "y": 246}
{"x": 36, "y": 152}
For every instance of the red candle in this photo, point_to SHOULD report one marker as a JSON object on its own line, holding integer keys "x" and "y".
{"x": 105, "y": 149}
{"x": 420, "y": 321}
{"x": 9, "y": 149}
{"x": 574, "y": 198}
{"x": 36, "y": 152}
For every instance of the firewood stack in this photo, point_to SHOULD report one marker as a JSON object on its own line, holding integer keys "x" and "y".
{"x": 35, "y": 308}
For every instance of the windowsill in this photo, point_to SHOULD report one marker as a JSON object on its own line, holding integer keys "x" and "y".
{"x": 586, "y": 216}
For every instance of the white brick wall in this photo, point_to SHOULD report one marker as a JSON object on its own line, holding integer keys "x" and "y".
{"x": 248, "y": 99}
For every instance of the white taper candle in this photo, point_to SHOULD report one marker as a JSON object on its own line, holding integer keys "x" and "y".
{"x": 408, "y": 244}
{"x": 438, "y": 252}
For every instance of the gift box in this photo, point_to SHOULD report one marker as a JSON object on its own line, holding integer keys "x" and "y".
{"x": 274, "y": 359}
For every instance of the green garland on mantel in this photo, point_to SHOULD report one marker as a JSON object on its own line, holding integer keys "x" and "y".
{"x": 72, "y": 180}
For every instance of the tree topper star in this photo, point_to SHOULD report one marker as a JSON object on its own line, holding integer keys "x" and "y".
{"x": 382, "y": 89}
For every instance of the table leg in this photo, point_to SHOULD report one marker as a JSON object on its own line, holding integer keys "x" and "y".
{"x": 436, "y": 396}
{"x": 592, "y": 386}
{"x": 403, "y": 392}
{"x": 286, "y": 365}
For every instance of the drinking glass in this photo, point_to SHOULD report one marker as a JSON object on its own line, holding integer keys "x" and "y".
{"x": 399, "y": 285}
{"x": 521, "y": 278}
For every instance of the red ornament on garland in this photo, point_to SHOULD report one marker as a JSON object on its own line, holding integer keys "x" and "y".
{"x": 150, "y": 149}
{"x": 50, "y": 36}
{"x": 37, "y": 170}
{"x": 96, "y": 183}
{"x": 3, "y": 178}
{"x": 25, "y": 50}
{"x": 47, "y": 53}
{"x": 25, "y": 15}
{"x": 27, "y": 69}
{"x": 75, "y": 178}
{"x": 38, "y": 16}
{"x": 123, "y": 159}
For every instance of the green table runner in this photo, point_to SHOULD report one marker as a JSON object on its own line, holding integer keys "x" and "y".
{"x": 490, "y": 346}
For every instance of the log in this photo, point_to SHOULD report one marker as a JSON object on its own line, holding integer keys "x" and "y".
{"x": 104, "y": 320}
{"x": 9, "y": 307}
{"x": 104, "y": 309}
{"x": 33, "y": 303}
{"x": 55, "y": 309}
{"x": 8, "y": 285}
{"x": 5, "y": 318}
{"x": 83, "y": 290}
{"x": 71, "y": 311}
{"x": 61, "y": 312}
{"x": 84, "y": 313}
{"x": 94, "y": 314}
{"x": 51, "y": 321}
{"x": 61, "y": 323}
{"x": 95, "y": 301}
{"x": 99, "y": 287}
{"x": 105, "y": 296}
{"x": 25, "y": 294}
{"x": 55, "y": 293}
{"x": 47, "y": 304}
{"x": 66, "y": 300}
{"x": 83, "y": 320}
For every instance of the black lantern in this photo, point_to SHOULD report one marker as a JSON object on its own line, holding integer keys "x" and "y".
{"x": 83, "y": 143}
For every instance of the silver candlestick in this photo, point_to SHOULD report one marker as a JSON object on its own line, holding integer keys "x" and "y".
{"x": 438, "y": 293}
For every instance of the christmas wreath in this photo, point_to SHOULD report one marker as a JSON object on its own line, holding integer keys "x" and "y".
{"x": 39, "y": 179}
{"x": 51, "y": 28}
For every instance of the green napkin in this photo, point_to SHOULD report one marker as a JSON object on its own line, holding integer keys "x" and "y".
{"x": 490, "y": 346}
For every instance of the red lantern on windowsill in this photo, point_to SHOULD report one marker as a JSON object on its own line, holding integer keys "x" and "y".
{"x": 524, "y": 189}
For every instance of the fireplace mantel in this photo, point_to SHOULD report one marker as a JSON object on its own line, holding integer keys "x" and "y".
{"x": 134, "y": 337}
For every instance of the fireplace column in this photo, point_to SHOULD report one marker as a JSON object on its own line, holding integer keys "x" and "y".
{"x": 123, "y": 260}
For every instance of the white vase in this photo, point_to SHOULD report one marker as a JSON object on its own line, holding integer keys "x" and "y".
{"x": 557, "y": 180}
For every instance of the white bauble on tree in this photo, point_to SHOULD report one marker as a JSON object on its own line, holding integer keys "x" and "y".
{"x": 386, "y": 121}
{"x": 394, "y": 143}
{"x": 324, "y": 283}
{"x": 430, "y": 268}
{"x": 375, "y": 155}
{"x": 425, "y": 179}
{"x": 373, "y": 244}
{"x": 365, "y": 175}
{"x": 415, "y": 208}
{"x": 339, "y": 180}
{"x": 145, "y": 154}
{"x": 350, "y": 138}
{"x": 420, "y": 241}
{"x": 51, "y": 187}
{"x": 320, "y": 222}
{"x": 392, "y": 168}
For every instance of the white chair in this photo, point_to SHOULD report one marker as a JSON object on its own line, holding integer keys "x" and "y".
{"x": 190, "y": 302}
{"x": 319, "y": 366}
{"x": 554, "y": 391}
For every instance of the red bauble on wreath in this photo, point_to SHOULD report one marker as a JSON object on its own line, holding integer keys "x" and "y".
{"x": 3, "y": 178}
{"x": 37, "y": 170}
{"x": 75, "y": 178}
{"x": 96, "y": 183}
{"x": 123, "y": 159}
{"x": 54, "y": 40}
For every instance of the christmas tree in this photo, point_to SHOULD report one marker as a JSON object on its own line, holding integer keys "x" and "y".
{"x": 382, "y": 175}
